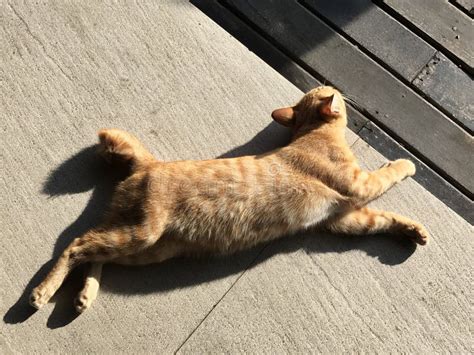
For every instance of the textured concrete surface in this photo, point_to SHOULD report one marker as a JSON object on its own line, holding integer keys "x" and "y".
{"x": 167, "y": 73}
{"x": 335, "y": 294}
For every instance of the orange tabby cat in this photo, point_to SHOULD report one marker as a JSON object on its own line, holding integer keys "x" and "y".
{"x": 168, "y": 209}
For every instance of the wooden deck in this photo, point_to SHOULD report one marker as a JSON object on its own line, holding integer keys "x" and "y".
{"x": 407, "y": 63}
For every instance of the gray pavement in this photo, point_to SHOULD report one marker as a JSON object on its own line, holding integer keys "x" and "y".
{"x": 167, "y": 73}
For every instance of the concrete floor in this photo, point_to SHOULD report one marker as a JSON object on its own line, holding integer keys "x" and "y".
{"x": 167, "y": 73}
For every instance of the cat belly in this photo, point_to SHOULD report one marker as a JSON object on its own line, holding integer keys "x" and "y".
{"x": 317, "y": 213}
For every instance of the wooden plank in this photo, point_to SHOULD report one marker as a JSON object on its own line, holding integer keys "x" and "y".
{"x": 443, "y": 23}
{"x": 378, "y": 32}
{"x": 452, "y": 88}
{"x": 404, "y": 52}
{"x": 468, "y": 5}
{"x": 393, "y": 105}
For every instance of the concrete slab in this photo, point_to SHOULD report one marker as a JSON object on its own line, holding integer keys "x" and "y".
{"x": 162, "y": 70}
{"x": 338, "y": 294}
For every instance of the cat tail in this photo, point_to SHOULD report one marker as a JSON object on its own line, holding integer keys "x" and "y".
{"x": 117, "y": 146}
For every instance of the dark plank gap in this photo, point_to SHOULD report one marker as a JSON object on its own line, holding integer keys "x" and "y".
{"x": 397, "y": 108}
{"x": 370, "y": 133}
{"x": 450, "y": 28}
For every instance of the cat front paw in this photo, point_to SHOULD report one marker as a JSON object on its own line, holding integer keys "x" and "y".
{"x": 417, "y": 233}
{"x": 404, "y": 167}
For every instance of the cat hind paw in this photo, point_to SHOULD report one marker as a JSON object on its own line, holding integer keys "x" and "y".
{"x": 39, "y": 297}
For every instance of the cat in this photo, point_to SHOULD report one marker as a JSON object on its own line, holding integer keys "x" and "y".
{"x": 185, "y": 208}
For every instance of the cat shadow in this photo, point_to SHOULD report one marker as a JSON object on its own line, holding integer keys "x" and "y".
{"x": 82, "y": 172}
{"x": 182, "y": 273}
{"x": 86, "y": 170}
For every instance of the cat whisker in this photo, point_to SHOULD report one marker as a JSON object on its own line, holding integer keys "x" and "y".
{"x": 352, "y": 101}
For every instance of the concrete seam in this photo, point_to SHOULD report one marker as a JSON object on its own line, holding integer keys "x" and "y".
{"x": 220, "y": 299}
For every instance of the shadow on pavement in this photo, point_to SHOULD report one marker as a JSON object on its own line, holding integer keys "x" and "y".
{"x": 82, "y": 172}
{"x": 181, "y": 273}
{"x": 85, "y": 171}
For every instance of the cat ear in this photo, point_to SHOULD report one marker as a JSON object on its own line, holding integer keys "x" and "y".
{"x": 284, "y": 116}
{"x": 331, "y": 106}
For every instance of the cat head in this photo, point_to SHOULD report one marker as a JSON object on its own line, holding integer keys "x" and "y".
{"x": 322, "y": 105}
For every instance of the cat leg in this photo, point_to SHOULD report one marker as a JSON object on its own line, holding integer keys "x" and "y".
{"x": 93, "y": 246}
{"x": 367, "y": 186}
{"x": 369, "y": 221}
{"x": 160, "y": 251}
{"x": 157, "y": 253}
{"x": 91, "y": 287}
{"x": 116, "y": 144}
